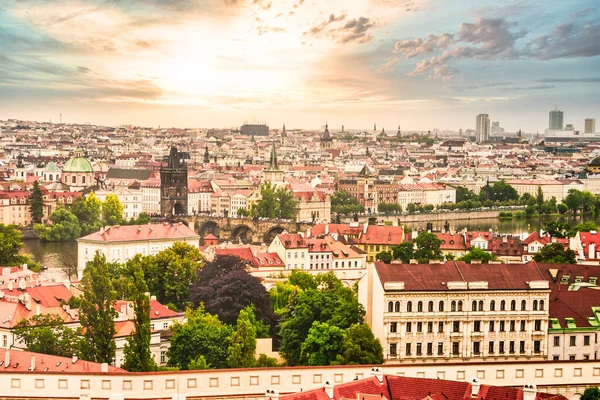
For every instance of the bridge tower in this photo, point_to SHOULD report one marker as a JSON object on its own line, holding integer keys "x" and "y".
{"x": 174, "y": 184}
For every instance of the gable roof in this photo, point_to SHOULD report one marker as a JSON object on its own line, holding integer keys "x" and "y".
{"x": 124, "y": 233}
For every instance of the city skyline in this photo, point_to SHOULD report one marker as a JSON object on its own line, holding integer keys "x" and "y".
{"x": 421, "y": 64}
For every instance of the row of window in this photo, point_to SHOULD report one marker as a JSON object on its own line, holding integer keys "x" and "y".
{"x": 458, "y": 306}
{"x": 477, "y": 348}
{"x": 573, "y": 340}
{"x": 456, "y": 327}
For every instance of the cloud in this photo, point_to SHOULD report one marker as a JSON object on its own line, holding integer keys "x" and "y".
{"x": 570, "y": 80}
{"x": 354, "y": 30}
{"x": 496, "y": 39}
{"x": 389, "y": 64}
{"x": 315, "y": 30}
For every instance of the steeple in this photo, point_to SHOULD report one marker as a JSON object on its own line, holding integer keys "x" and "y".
{"x": 273, "y": 161}
{"x": 326, "y": 139}
{"x": 283, "y": 134}
{"x": 399, "y": 133}
{"x": 375, "y": 126}
{"x": 206, "y": 155}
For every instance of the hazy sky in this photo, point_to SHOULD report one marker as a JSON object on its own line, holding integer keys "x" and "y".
{"x": 422, "y": 64}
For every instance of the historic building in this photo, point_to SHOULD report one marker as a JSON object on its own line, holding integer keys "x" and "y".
{"x": 273, "y": 173}
{"x": 78, "y": 173}
{"x": 174, "y": 184}
{"x": 326, "y": 140}
{"x": 369, "y": 189}
{"x": 454, "y": 310}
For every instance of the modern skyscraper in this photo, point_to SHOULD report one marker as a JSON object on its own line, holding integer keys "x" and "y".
{"x": 590, "y": 125}
{"x": 482, "y": 131}
{"x": 556, "y": 120}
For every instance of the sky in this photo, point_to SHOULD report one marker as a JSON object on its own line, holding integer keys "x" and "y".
{"x": 418, "y": 64}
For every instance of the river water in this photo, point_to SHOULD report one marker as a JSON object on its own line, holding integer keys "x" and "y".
{"x": 52, "y": 255}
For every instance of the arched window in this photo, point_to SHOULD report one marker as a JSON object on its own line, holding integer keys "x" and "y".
{"x": 453, "y": 306}
{"x": 535, "y": 305}
{"x": 420, "y": 306}
{"x": 513, "y": 305}
{"x": 503, "y": 305}
{"x": 480, "y": 305}
{"x": 409, "y": 306}
{"x": 397, "y": 307}
{"x": 430, "y": 306}
{"x": 523, "y": 305}
{"x": 474, "y": 306}
{"x": 441, "y": 306}
{"x": 541, "y": 305}
{"x": 390, "y": 306}
{"x": 460, "y": 305}
{"x": 493, "y": 305}
{"x": 51, "y": 178}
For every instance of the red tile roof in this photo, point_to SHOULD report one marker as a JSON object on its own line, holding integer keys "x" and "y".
{"x": 22, "y": 361}
{"x": 142, "y": 232}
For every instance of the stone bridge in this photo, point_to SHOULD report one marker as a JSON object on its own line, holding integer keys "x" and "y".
{"x": 244, "y": 230}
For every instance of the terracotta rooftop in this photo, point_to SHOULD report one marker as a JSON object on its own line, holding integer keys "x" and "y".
{"x": 23, "y": 361}
{"x": 125, "y": 233}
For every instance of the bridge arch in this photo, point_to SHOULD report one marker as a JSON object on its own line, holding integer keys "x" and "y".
{"x": 208, "y": 227}
{"x": 271, "y": 233}
{"x": 241, "y": 233}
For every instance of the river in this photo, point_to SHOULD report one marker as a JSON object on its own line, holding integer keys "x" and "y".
{"x": 52, "y": 255}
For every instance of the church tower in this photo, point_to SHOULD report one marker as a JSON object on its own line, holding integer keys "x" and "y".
{"x": 174, "y": 184}
{"x": 206, "y": 155}
{"x": 326, "y": 140}
{"x": 273, "y": 173}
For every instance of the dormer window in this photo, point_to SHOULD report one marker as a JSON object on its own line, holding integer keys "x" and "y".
{"x": 13, "y": 200}
{"x": 22, "y": 200}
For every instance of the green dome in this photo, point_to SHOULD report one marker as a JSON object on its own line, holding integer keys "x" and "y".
{"x": 78, "y": 164}
{"x": 595, "y": 162}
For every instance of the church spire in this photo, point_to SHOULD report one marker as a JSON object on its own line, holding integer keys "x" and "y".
{"x": 206, "y": 155}
{"x": 273, "y": 161}
{"x": 283, "y": 134}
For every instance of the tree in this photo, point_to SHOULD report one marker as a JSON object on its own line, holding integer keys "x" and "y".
{"x": 65, "y": 227}
{"x": 322, "y": 345}
{"x": 331, "y": 303}
{"x": 499, "y": 191}
{"x": 275, "y": 203}
{"x": 361, "y": 346}
{"x": 226, "y": 288}
{"x": 475, "y": 253}
{"x": 555, "y": 253}
{"x": 404, "y": 252}
{"x": 138, "y": 357}
{"x": 342, "y": 202}
{"x": 36, "y": 203}
{"x": 266, "y": 361}
{"x": 464, "y": 194}
{"x": 243, "y": 342}
{"x": 591, "y": 393}
{"x": 87, "y": 210}
{"x": 539, "y": 199}
{"x": 202, "y": 335}
{"x": 170, "y": 273}
{"x": 198, "y": 363}
{"x": 10, "y": 244}
{"x": 556, "y": 229}
{"x": 47, "y": 334}
{"x": 587, "y": 226}
{"x": 97, "y": 311}
{"x": 384, "y": 256}
{"x": 562, "y": 208}
{"x": 428, "y": 247}
{"x": 549, "y": 207}
{"x": 112, "y": 210}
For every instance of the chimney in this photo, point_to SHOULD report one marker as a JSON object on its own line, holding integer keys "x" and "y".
{"x": 271, "y": 394}
{"x": 74, "y": 359}
{"x": 329, "y": 389}
{"x": 529, "y": 391}
{"x": 22, "y": 284}
{"x": 6, "y": 358}
{"x": 32, "y": 364}
{"x": 10, "y": 286}
{"x": 24, "y": 267}
{"x": 365, "y": 227}
{"x": 592, "y": 251}
{"x": 308, "y": 232}
{"x": 475, "y": 386}
{"x": 378, "y": 373}
{"x": 327, "y": 229}
{"x": 38, "y": 309}
{"x": 104, "y": 368}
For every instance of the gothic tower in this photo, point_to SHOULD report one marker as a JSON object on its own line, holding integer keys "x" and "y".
{"x": 326, "y": 140}
{"x": 174, "y": 184}
{"x": 273, "y": 173}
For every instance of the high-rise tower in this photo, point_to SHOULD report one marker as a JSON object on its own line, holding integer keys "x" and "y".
{"x": 482, "y": 131}
{"x": 556, "y": 120}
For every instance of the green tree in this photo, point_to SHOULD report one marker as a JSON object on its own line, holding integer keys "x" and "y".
{"x": 112, "y": 210}
{"x": 275, "y": 203}
{"x": 404, "y": 252}
{"x": 198, "y": 363}
{"x": 555, "y": 253}
{"x": 562, "y": 208}
{"x": 138, "y": 357}
{"x": 384, "y": 256}
{"x": 170, "y": 273}
{"x": 591, "y": 393}
{"x": 464, "y": 194}
{"x": 265, "y": 361}
{"x": 36, "y": 203}
{"x": 47, "y": 334}
{"x": 428, "y": 247}
{"x": 323, "y": 344}
{"x": 499, "y": 191}
{"x": 556, "y": 229}
{"x": 475, "y": 253}
{"x": 87, "y": 210}
{"x": 389, "y": 208}
{"x": 10, "y": 244}
{"x": 549, "y": 207}
{"x": 361, "y": 346}
{"x": 342, "y": 202}
{"x": 142, "y": 219}
{"x": 243, "y": 342}
{"x": 287, "y": 204}
{"x": 539, "y": 199}
{"x": 280, "y": 295}
{"x": 97, "y": 311}
{"x": 587, "y": 226}
{"x": 202, "y": 335}
{"x": 65, "y": 227}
